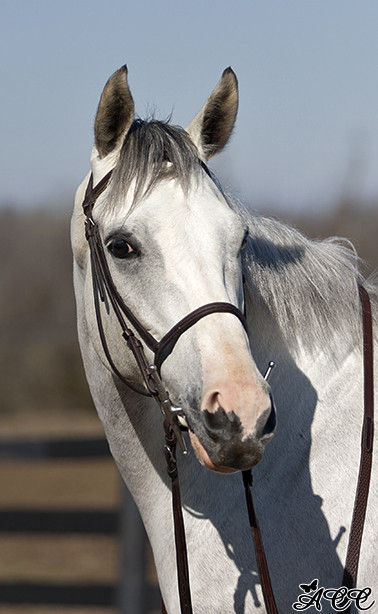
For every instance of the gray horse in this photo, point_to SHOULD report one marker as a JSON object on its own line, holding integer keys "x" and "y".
{"x": 174, "y": 242}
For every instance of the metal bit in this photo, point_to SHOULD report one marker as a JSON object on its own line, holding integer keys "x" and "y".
{"x": 170, "y": 411}
{"x": 177, "y": 410}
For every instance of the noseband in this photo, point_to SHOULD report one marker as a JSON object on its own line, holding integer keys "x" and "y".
{"x": 104, "y": 290}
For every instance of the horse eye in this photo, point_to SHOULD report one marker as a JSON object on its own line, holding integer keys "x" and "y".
{"x": 120, "y": 248}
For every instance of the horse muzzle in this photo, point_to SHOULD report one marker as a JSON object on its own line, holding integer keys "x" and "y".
{"x": 220, "y": 444}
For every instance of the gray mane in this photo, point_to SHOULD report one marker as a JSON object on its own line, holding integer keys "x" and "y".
{"x": 144, "y": 157}
{"x": 309, "y": 287}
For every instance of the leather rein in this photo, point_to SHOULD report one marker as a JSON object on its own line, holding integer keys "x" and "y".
{"x": 105, "y": 291}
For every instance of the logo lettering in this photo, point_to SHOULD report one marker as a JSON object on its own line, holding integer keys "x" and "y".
{"x": 340, "y": 599}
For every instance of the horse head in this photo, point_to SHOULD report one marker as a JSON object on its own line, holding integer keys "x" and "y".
{"x": 173, "y": 243}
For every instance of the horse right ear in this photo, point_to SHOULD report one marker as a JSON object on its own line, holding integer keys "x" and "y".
{"x": 212, "y": 126}
{"x": 115, "y": 113}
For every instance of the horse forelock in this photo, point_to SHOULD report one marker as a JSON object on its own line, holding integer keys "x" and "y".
{"x": 152, "y": 151}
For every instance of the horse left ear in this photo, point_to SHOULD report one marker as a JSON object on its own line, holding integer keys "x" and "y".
{"x": 212, "y": 126}
{"x": 115, "y": 113}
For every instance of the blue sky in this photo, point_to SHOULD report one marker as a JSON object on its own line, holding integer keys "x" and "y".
{"x": 307, "y": 70}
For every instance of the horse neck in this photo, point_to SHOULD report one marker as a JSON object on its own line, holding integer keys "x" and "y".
{"x": 309, "y": 381}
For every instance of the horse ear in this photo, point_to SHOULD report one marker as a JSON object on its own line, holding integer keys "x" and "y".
{"x": 212, "y": 126}
{"x": 115, "y": 113}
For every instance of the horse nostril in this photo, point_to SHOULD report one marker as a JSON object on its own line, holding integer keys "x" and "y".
{"x": 215, "y": 421}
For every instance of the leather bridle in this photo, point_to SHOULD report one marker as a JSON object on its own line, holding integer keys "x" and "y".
{"x": 105, "y": 291}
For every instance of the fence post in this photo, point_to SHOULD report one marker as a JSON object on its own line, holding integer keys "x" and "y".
{"x": 132, "y": 591}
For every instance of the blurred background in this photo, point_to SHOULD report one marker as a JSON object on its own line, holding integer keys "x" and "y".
{"x": 305, "y": 150}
